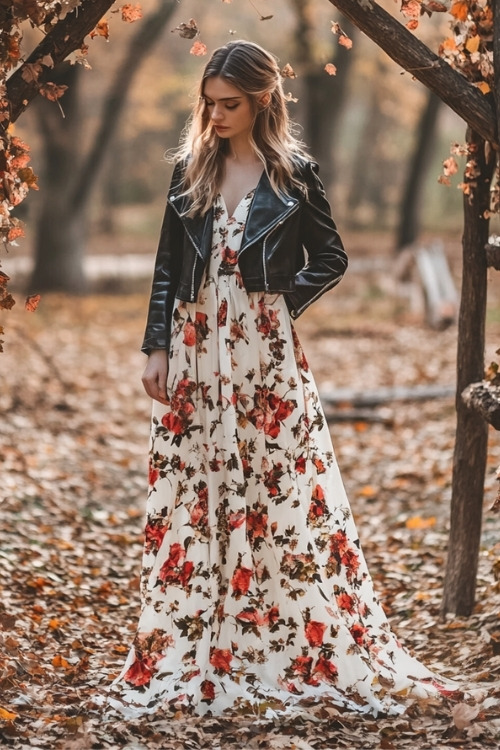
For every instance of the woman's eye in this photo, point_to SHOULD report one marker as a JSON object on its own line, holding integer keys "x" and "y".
{"x": 231, "y": 106}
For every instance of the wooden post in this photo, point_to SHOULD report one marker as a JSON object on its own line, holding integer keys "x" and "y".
{"x": 469, "y": 460}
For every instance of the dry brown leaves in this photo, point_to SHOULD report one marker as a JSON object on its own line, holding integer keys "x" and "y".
{"x": 73, "y": 448}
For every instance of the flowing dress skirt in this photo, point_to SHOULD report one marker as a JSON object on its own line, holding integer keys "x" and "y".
{"x": 255, "y": 592}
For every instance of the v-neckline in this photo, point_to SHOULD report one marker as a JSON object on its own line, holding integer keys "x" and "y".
{"x": 232, "y": 216}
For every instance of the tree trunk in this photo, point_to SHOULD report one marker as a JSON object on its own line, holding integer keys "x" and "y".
{"x": 322, "y": 96}
{"x": 469, "y": 460}
{"x": 60, "y": 231}
{"x": 366, "y": 200}
{"x": 415, "y": 57}
{"x": 411, "y": 204}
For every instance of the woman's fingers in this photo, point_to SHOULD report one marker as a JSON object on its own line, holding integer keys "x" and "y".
{"x": 154, "y": 378}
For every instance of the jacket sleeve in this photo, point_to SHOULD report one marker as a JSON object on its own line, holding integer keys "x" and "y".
{"x": 165, "y": 282}
{"x": 326, "y": 258}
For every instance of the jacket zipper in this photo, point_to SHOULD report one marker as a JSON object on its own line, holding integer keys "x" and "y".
{"x": 192, "y": 278}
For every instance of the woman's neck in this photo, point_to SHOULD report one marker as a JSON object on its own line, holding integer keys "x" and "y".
{"x": 241, "y": 151}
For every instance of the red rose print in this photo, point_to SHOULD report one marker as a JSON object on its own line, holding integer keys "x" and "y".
{"x": 237, "y": 519}
{"x": 302, "y": 665}
{"x": 273, "y": 615}
{"x": 229, "y": 256}
{"x": 141, "y": 671}
{"x": 176, "y": 554}
{"x": 172, "y": 571}
{"x": 300, "y": 465}
{"x": 345, "y": 602}
{"x": 317, "y": 506}
{"x": 186, "y": 573}
{"x": 339, "y": 544}
{"x": 351, "y": 561}
{"x": 153, "y": 535}
{"x": 358, "y": 632}
{"x": 257, "y": 523}
{"x": 222, "y": 313}
{"x": 220, "y": 659}
{"x": 189, "y": 333}
{"x": 207, "y": 690}
{"x": 314, "y": 632}
{"x": 199, "y": 513}
{"x": 320, "y": 466}
{"x": 250, "y": 615}
{"x": 326, "y": 669}
{"x": 172, "y": 422}
{"x": 241, "y": 581}
{"x": 153, "y": 475}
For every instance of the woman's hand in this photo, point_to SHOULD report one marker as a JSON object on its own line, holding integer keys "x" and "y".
{"x": 154, "y": 378}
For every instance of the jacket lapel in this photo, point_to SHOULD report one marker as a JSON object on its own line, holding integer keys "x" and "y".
{"x": 266, "y": 211}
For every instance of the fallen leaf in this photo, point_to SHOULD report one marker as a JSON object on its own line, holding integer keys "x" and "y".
{"x": 102, "y": 29}
{"x": 199, "y": 49}
{"x": 420, "y": 523}
{"x": 131, "y": 13}
{"x": 32, "y": 302}
{"x": 463, "y": 715}
{"x": 187, "y": 30}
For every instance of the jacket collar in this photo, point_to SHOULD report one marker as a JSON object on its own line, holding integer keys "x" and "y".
{"x": 266, "y": 211}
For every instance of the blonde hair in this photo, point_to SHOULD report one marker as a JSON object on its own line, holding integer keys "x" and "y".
{"x": 255, "y": 72}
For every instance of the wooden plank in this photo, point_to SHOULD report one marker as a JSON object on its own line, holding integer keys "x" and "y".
{"x": 362, "y": 397}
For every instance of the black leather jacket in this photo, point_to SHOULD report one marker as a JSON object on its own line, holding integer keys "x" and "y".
{"x": 271, "y": 257}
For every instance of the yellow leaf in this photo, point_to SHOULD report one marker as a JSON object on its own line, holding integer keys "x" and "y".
{"x": 472, "y": 44}
{"x": 459, "y": 10}
{"x": 7, "y": 715}
{"x": 483, "y": 87}
{"x": 60, "y": 661}
{"x": 422, "y": 596}
{"x": 368, "y": 491}
{"x": 449, "y": 43}
{"x": 417, "y": 522}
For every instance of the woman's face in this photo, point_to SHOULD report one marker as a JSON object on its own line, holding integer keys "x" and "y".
{"x": 230, "y": 110}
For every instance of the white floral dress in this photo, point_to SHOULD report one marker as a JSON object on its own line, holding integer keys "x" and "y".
{"x": 255, "y": 592}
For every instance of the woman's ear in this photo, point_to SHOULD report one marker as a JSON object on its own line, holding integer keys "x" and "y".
{"x": 265, "y": 100}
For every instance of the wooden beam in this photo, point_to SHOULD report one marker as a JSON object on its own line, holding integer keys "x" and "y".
{"x": 493, "y": 256}
{"x": 485, "y": 399}
{"x": 415, "y": 57}
{"x": 471, "y": 442}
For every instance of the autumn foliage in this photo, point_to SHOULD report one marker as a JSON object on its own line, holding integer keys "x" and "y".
{"x": 16, "y": 176}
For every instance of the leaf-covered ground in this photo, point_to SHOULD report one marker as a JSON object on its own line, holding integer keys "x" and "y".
{"x": 73, "y": 447}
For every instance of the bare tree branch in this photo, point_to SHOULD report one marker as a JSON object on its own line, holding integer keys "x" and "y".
{"x": 66, "y": 37}
{"x": 416, "y": 58}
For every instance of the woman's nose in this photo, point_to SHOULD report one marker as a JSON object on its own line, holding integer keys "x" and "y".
{"x": 216, "y": 113}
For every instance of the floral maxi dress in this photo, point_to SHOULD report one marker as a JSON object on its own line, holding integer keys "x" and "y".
{"x": 255, "y": 592}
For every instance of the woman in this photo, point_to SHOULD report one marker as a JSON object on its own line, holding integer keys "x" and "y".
{"x": 254, "y": 588}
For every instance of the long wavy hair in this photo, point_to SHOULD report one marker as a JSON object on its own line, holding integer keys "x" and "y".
{"x": 255, "y": 72}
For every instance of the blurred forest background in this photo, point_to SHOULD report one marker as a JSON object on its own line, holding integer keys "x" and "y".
{"x": 378, "y": 135}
